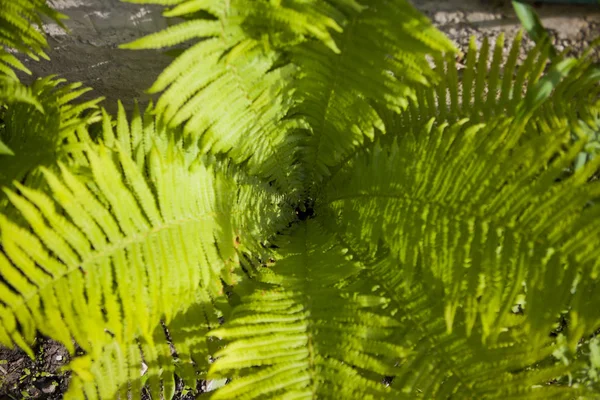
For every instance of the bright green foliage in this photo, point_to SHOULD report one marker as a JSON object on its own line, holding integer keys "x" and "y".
{"x": 17, "y": 28}
{"x": 121, "y": 231}
{"x": 245, "y": 98}
{"x": 475, "y": 212}
{"x": 17, "y": 33}
{"x": 445, "y": 221}
{"x": 303, "y": 333}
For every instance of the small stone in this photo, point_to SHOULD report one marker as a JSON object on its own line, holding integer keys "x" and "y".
{"x": 49, "y": 389}
{"x": 33, "y": 392}
{"x": 440, "y": 17}
{"x": 477, "y": 17}
{"x": 455, "y": 17}
{"x": 59, "y": 358}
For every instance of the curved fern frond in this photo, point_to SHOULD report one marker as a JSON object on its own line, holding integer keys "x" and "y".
{"x": 21, "y": 28}
{"x": 491, "y": 85}
{"x": 298, "y": 336}
{"x": 382, "y": 60}
{"x": 229, "y": 89}
{"x": 488, "y": 85}
{"x": 9, "y": 63}
{"x": 116, "y": 250}
{"x": 150, "y": 364}
{"x": 242, "y": 97}
{"x": 549, "y": 94}
{"x": 40, "y": 126}
{"x": 18, "y": 22}
{"x": 442, "y": 364}
{"x": 13, "y": 91}
{"x": 469, "y": 208}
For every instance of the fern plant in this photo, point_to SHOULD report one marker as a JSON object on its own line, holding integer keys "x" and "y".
{"x": 318, "y": 206}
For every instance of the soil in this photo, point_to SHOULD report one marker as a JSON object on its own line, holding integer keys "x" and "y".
{"x": 41, "y": 378}
{"x": 572, "y": 26}
{"x": 44, "y": 377}
{"x": 90, "y": 55}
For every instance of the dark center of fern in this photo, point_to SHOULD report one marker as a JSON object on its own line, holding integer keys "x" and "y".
{"x": 305, "y": 210}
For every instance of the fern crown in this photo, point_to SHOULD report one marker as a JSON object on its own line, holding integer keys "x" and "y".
{"x": 318, "y": 205}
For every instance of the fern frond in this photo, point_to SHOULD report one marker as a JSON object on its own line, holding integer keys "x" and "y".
{"x": 115, "y": 250}
{"x": 489, "y": 85}
{"x": 242, "y": 97}
{"x": 21, "y": 27}
{"x": 41, "y": 122}
{"x": 298, "y": 336}
{"x": 126, "y": 370}
{"x": 492, "y": 85}
{"x": 9, "y": 63}
{"x": 12, "y": 91}
{"x": 444, "y": 364}
{"x": 17, "y": 33}
{"x": 235, "y": 99}
{"x": 381, "y": 62}
{"x": 469, "y": 208}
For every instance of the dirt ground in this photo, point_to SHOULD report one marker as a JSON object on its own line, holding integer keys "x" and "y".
{"x": 42, "y": 378}
{"x": 572, "y": 26}
{"x": 90, "y": 55}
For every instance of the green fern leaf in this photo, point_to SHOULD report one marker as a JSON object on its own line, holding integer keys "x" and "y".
{"x": 446, "y": 364}
{"x": 11, "y": 90}
{"x": 124, "y": 369}
{"x": 300, "y": 336}
{"x": 382, "y": 60}
{"x": 243, "y": 66}
{"x": 17, "y": 22}
{"x": 41, "y": 122}
{"x": 105, "y": 249}
{"x": 458, "y": 220}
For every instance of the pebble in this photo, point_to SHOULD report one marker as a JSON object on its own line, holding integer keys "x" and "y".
{"x": 49, "y": 389}
{"x": 59, "y": 358}
{"x": 460, "y": 19}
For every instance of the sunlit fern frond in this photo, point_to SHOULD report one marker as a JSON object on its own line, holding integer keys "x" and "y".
{"x": 229, "y": 89}
{"x": 103, "y": 256}
{"x": 153, "y": 364}
{"x": 13, "y": 91}
{"x": 146, "y": 133}
{"x": 382, "y": 61}
{"x": 242, "y": 97}
{"x": 298, "y": 336}
{"x": 493, "y": 84}
{"x": 475, "y": 210}
{"x": 9, "y": 63}
{"x": 21, "y": 29}
{"x": 489, "y": 84}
